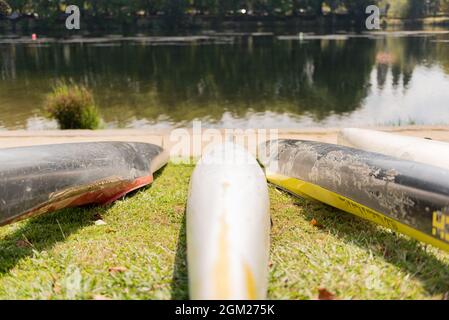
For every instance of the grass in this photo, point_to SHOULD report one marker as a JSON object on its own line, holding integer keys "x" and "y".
{"x": 140, "y": 252}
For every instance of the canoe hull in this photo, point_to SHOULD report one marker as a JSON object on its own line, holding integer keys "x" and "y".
{"x": 42, "y": 179}
{"x": 405, "y": 196}
{"x": 228, "y": 227}
{"x": 435, "y": 153}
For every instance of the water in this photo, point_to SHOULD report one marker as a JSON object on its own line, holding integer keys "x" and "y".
{"x": 230, "y": 80}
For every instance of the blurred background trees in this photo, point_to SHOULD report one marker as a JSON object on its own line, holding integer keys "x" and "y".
{"x": 177, "y": 9}
{"x": 5, "y": 9}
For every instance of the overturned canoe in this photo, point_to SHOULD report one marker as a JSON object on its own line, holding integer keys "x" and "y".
{"x": 408, "y": 197}
{"x": 435, "y": 153}
{"x": 228, "y": 226}
{"x": 40, "y": 179}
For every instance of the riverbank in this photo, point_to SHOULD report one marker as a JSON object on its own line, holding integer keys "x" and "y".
{"x": 163, "y": 24}
{"x": 168, "y": 138}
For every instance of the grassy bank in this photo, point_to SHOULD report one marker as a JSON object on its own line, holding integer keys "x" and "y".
{"x": 140, "y": 252}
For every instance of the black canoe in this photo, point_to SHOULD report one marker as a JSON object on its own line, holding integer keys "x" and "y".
{"x": 40, "y": 179}
{"x": 405, "y": 196}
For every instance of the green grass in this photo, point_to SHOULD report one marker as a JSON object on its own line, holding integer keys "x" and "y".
{"x": 66, "y": 256}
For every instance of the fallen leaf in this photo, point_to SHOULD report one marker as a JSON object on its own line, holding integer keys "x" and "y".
{"x": 100, "y": 223}
{"x": 315, "y": 223}
{"x": 324, "y": 294}
{"x": 117, "y": 269}
{"x": 23, "y": 244}
{"x": 179, "y": 209}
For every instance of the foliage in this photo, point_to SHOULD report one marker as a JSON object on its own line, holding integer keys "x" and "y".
{"x": 73, "y": 107}
{"x": 176, "y": 9}
{"x": 5, "y": 9}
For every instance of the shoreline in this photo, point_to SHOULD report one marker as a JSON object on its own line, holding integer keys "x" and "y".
{"x": 207, "y": 22}
{"x": 164, "y": 137}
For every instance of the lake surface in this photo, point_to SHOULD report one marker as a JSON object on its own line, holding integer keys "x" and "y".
{"x": 234, "y": 80}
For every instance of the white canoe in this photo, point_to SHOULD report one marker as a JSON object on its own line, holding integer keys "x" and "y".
{"x": 435, "y": 153}
{"x": 228, "y": 227}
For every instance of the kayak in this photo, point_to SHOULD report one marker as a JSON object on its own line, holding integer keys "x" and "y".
{"x": 431, "y": 152}
{"x": 228, "y": 226}
{"x": 41, "y": 179}
{"x": 405, "y": 196}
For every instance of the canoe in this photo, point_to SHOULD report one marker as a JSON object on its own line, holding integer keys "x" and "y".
{"x": 41, "y": 179}
{"x": 431, "y": 152}
{"x": 228, "y": 226}
{"x": 405, "y": 196}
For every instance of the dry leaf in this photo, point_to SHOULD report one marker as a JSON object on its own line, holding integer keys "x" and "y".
{"x": 179, "y": 209}
{"x": 117, "y": 269}
{"x": 324, "y": 294}
{"x": 100, "y": 297}
{"x": 56, "y": 288}
{"x": 315, "y": 223}
{"x": 23, "y": 244}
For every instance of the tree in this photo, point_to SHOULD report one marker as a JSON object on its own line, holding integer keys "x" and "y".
{"x": 416, "y": 8}
{"x": 315, "y": 5}
{"x": 176, "y": 10}
{"x": 444, "y": 6}
{"x": 5, "y": 9}
{"x": 357, "y": 8}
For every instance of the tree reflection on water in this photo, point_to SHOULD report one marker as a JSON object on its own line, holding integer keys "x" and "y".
{"x": 250, "y": 81}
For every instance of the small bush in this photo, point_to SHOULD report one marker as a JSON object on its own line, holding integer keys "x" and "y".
{"x": 73, "y": 106}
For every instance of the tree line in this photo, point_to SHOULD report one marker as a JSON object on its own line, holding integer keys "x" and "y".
{"x": 122, "y": 9}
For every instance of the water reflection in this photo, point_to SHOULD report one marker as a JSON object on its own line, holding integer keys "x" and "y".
{"x": 248, "y": 82}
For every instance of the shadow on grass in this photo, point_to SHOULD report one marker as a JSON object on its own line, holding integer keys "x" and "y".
{"x": 405, "y": 253}
{"x": 42, "y": 233}
{"x": 158, "y": 173}
{"x": 180, "y": 283}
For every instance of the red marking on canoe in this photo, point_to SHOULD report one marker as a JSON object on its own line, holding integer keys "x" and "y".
{"x": 109, "y": 195}
{"x": 103, "y": 196}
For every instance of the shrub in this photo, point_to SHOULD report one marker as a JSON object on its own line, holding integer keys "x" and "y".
{"x": 73, "y": 106}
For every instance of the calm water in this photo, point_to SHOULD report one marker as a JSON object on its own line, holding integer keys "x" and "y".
{"x": 234, "y": 80}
